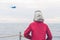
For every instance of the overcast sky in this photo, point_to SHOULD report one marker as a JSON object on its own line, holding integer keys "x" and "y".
{"x": 24, "y": 10}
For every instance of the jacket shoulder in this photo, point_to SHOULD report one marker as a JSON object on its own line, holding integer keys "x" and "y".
{"x": 45, "y": 24}
{"x": 32, "y": 22}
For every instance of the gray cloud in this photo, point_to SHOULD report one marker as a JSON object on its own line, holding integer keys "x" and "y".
{"x": 25, "y": 9}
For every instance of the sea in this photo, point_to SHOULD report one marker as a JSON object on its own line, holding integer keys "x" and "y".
{"x": 11, "y": 31}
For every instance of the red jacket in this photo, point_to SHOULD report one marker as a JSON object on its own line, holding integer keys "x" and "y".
{"x": 38, "y": 31}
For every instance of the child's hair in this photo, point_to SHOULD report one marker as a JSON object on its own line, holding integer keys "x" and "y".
{"x": 37, "y": 11}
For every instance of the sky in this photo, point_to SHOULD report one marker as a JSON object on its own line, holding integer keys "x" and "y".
{"x": 24, "y": 11}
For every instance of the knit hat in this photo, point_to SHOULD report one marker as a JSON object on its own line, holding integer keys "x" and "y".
{"x": 38, "y": 16}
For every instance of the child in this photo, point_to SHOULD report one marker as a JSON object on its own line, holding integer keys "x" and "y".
{"x": 38, "y": 28}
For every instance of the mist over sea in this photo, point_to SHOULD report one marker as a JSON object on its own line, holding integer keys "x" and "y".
{"x": 15, "y": 28}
